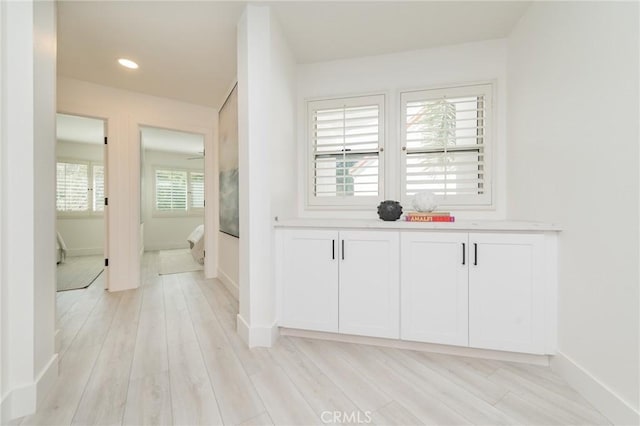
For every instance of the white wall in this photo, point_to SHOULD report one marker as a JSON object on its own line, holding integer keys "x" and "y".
{"x": 229, "y": 262}
{"x": 390, "y": 74}
{"x": 82, "y": 235}
{"x": 27, "y": 141}
{"x": 283, "y": 147}
{"x": 125, "y": 112}
{"x": 266, "y": 104}
{"x": 163, "y": 232}
{"x": 3, "y": 288}
{"x": 573, "y": 159}
{"x": 228, "y": 245}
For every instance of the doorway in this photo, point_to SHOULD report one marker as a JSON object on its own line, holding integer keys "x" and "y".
{"x": 172, "y": 202}
{"x": 80, "y": 202}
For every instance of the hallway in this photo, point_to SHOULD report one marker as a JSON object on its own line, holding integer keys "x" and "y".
{"x": 168, "y": 353}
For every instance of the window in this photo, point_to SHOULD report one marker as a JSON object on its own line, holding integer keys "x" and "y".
{"x": 445, "y": 141}
{"x": 79, "y": 187}
{"x": 98, "y": 188}
{"x": 346, "y": 140}
{"x": 196, "y": 190}
{"x": 178, "y": 191}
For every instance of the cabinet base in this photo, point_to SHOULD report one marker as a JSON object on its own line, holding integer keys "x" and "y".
{"x": 420, "y": 346}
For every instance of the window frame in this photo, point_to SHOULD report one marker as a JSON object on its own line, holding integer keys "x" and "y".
{"x": 313, "y": 202}
{"x": 189, "y": 211}
{"x": 90, "y": 212}
{"x": 484, "y": 201}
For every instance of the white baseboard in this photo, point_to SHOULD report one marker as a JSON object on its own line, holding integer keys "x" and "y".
{"x": 231, "y": 285}
{"x": 5, "y": 403}
{"x": 597, "y": 393}
{"x": 46, "y": 379}
{"x": 85, "y": 251}
{"x": 24, "y": 400}
{"x": 419, "y": 346}
{"x": 256, "y": 336}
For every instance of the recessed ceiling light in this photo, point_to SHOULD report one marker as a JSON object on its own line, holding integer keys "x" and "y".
{"x": 128, "y": 63}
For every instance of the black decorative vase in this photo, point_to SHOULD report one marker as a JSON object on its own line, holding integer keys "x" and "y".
{"x": 389, "y": 210}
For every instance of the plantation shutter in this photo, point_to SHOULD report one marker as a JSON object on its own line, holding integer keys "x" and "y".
{"x": 171, "y": 190}
{"x": 72, "y": 187}
{"x": 196, "y": 188}
{"x": 98, "y": 188}
{"x": 346, "y": 138}
{"x": 445, "y": 136}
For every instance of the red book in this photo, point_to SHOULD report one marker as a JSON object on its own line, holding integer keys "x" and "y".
{"x": 430, "y": 218}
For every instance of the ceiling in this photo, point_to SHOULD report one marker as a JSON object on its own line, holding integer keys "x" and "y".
{"x": 323, "y": 31}
{"x": 187, "y": 50}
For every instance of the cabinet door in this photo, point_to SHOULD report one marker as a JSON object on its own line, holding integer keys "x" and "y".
{"x": 434, "y": 287}
{"x": 310, "y": 280}
{"x": 506, "y": 292}
{"x": 369, "y": 283}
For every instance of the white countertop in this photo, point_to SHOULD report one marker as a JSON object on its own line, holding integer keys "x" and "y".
{"x": 462, "y": 225}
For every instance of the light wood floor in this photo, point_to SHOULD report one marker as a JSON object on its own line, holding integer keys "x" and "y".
{"x": 168, "y": 353}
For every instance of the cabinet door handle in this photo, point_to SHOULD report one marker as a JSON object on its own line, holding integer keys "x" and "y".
{"x": 464, "y": 253}
{"x": 333, "y": 249}
{"x": 342, "y": 249}
{"x": 475, "y": 254}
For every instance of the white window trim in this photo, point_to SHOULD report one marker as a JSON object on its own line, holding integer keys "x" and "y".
{"x": 344, "y": 203}
{"x": 189, "y": 212}
{"x": 487, "y": 88}
{"x": 90, "y": 212}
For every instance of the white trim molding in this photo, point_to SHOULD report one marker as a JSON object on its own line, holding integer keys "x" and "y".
{"x": 257, "y": 336}
{"x": 229, "y": 283}
{"x": 611, "y": 405}
{"x": 25, "y": 400}
{"x": 419, "y": 346}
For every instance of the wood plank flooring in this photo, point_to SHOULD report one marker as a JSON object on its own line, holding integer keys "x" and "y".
{"x": 167, "y": 353}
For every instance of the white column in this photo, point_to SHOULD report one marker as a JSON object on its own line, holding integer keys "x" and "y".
{"x": 28, "y": 58}
{"x": 256, "y": 320}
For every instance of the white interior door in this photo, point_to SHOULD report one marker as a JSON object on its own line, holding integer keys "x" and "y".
{"x": 105, "y": 213}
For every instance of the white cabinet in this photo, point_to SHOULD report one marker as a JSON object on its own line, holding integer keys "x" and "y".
{"x": 507, "y": 292}
{"x": 345, "y": 282}
{"x": 435, "y": 287}
{"x": 369, "y": 283}
{"x": 488, "y": 290}
{"x": 309, "y": 268}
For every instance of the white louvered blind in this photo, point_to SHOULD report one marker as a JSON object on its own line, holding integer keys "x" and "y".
{"x": 346, "y": 139}
{"x": 171, "y": 190}
{"x": 196, "y": 190}
{"x": 72, "y": 187}
{"x": 446, "y": 140}
{"x": 98, "y": 187}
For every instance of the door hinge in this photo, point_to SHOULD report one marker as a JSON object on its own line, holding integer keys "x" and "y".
{"x": 204, "y": 203}
{"x": 105, "y": 140}
{"x": 106, "y": 262}
{"x": 106, "y": 201}
{"x": 204, "y": 253}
